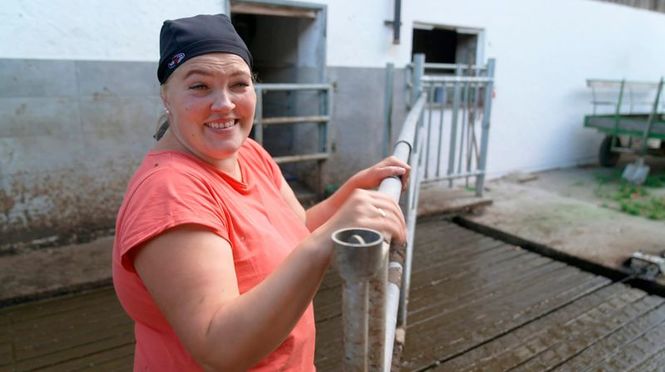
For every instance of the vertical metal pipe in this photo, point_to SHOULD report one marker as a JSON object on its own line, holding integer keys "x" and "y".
{"x": 397, "y": 21}
{"x": 388, "y": 109}
{"x": 484, "y": 139}
{"x": 453, "y": 125}
{"x": 462, "y": 137}
{"x": 439, "y": 146}
{"x": 430, "y": 109}
{"x": 329, "y": 109}
{"x": 258, "y": 116}
{"x": 359, "y": 255}
{"x": 417, "y": 75}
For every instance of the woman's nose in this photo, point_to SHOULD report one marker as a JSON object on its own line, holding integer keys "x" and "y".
{"x": 222, "y": 102}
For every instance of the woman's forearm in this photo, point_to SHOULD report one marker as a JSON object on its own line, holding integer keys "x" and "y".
{"x": 321, "y": 212}
{"x": 255, "y": 323}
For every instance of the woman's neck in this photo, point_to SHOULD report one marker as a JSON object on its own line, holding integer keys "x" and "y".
{"x": 230, "y": 166}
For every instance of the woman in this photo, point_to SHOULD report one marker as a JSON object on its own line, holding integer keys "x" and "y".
{"x": 214, "y": 258}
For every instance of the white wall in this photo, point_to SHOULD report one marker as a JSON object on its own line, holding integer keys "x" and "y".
{"x": 544, "y": 49}
{"x": 114, "y": 30}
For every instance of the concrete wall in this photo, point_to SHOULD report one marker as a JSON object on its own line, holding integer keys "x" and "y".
{"x": 71, "y": 134}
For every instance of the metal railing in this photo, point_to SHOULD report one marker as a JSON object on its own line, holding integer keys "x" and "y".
{"x": 376, "y": 283}
{"x": 459, "y": 108}
{"x": 375, "y": 273}
{"x": 321, "y": 118}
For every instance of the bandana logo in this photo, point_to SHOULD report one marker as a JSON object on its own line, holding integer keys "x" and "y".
{"x": 175, "y": 61}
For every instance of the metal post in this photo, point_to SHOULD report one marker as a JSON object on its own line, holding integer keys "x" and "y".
{"x": 388, "y": 109}
{"x": 453, "y": 124}
{"x": 359, "y": 255}
{"x": 484, "y": 140}
{"x": 258, "y": 116}
{"x": 418, "y": 72}
{"x": 617, "y": 115}
{"x": 439, "y": 147}
{"x": 652, "y": 118}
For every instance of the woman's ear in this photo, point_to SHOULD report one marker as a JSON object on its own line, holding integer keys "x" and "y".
{"x": 164, "y": 96}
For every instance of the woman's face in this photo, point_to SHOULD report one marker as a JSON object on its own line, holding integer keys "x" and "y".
{"x": 211, "y": 101}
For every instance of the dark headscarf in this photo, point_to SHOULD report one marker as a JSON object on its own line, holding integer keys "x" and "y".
{"x": 184, "y": 38}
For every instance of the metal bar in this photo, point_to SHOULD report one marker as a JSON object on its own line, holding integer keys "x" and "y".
{"x": 453, "y": 176}
{"x": 294, "y": 120}
{"x": 429, "y": 127}
{"x": 452, "y": 66}
{"x": 652, "y": 117}
{"x": 441, "y": 122}
{"x": 258, "y": 116}
{"x": 617, "y": 114}
{"x": 453, "y": 79}
{"x": 453, "y": 126}
{"x": 302, "y": 157}
{"x": 484, "y": 139}
{"x": 417, "y": 77}
{"x": 465, "y": 112}
{"x": 388, "y": 109}
{"x": 324, "y": 123}
{"x": 397, "y": 21}
{"x": 329, "y": 110}
{"x": 412, "y": 210}
{"x": 474, "y": 141}
{"x": 359, "y": 254}
{"x": 279, "y": 87}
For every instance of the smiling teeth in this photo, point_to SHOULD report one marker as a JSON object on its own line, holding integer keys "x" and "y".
{"x": 226, "y": 124}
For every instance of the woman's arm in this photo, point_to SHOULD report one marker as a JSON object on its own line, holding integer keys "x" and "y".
{"x": 190, "y": 274}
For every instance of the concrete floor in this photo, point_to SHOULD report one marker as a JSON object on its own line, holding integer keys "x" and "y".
{"x": 571, "y": 211}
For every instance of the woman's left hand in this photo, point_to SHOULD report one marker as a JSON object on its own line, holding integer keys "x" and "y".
{"x": 371, "y": 177}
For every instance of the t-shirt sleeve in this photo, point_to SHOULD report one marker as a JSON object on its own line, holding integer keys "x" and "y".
{"x": 163, "y": 200}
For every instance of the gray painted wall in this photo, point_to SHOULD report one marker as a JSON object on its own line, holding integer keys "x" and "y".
{"x": 73, "y": 132}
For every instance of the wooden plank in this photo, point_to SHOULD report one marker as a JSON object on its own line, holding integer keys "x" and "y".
{"x": 441, "y": 338}
{"x": 615, "y": 342}
{"x": 119, "y": 358}
{"x": 513, "y": 348}
{"x": 649, "y": 345}
{"x": 117, "y": 339}
{"x": 62, "y": 304}
{"x": 580, "y": 334}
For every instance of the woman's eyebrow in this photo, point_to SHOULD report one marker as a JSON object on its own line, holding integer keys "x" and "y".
{"x": 210, "y": 73}
{"x": 197, "y": 71}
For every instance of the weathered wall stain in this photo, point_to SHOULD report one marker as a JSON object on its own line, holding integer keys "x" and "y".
{"x": 71, "y": 135}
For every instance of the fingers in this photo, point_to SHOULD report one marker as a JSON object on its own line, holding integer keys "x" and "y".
{"x": 372, "y": 210}
{"x": 388, "y": 217}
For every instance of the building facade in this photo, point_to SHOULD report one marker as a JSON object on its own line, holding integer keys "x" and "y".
{"x": 80, "y": 99}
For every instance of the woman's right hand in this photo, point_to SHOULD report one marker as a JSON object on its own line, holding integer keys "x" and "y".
{"x": 372, "y": 210}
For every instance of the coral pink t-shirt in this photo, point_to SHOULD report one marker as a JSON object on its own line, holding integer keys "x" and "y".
{"x": 172, "y": 188}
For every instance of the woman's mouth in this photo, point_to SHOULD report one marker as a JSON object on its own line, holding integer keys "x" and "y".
{"x": 222, "y": 124}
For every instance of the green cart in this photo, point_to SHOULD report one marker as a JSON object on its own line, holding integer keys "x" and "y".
{"x": 631, "y": 115}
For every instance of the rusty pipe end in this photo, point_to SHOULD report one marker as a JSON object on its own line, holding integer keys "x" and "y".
{"x": 359, "y": 253}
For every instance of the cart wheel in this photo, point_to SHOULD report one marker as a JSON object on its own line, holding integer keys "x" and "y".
{"x": 606, "y": 157}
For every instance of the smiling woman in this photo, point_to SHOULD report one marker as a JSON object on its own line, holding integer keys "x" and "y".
{"x": 214, "y": 258}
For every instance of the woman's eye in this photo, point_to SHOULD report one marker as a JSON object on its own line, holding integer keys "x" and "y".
{"x": 241, "y": 84}
{"x": 198, "y": 86}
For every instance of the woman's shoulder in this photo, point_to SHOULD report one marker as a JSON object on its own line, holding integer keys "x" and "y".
{"x": 166, "y": 169}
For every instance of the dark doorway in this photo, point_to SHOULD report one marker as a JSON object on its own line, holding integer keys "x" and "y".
{"x": 442, "y": 45}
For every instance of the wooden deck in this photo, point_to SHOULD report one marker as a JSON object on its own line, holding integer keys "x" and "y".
{"x": 476, "y": 304}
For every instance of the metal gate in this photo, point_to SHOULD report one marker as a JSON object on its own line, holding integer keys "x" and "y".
{"x": 457, "y": 115}
{"x": 301, "y": 105}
